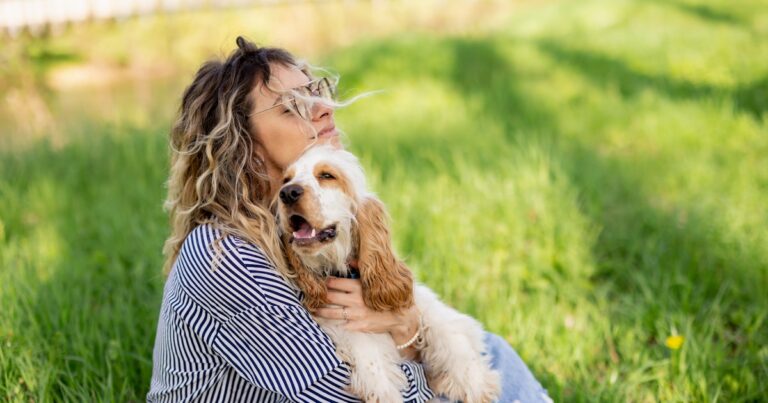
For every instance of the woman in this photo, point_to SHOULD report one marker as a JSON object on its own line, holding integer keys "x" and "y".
{"x": 231, "y": 326}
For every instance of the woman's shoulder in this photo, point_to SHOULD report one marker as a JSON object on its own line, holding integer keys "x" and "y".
{"x": 209, "y": 244}
{"x": 228, "y": 273}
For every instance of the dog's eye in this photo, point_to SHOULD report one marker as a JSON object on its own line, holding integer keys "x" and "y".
{"x": 286, "y": 180}
{"x": 326, "y": 175}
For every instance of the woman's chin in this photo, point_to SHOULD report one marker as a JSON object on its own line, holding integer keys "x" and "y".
{"x": 331, "y": 138}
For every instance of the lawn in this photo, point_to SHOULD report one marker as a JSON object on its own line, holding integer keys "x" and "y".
{"x": 587, "y": 178}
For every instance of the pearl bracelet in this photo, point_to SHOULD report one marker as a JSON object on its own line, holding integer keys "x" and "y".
{"x": 417, "y": 338}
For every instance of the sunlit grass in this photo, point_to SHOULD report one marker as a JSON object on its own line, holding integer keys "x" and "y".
{"x": 587, "y": 179}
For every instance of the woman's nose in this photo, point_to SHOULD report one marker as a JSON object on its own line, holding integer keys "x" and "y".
{"x": 320, "y": 110}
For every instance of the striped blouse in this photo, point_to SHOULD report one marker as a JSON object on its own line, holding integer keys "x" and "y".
{"x": 239, "y": 333}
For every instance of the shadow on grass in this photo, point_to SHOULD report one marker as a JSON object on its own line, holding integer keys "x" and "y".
{"x": 708, "y": 13}
{"x": 659, "y": 266}
{"x": 479, "y": 70}
{"x": 753, "y": 98}
{"x": 705, "y": 12}
{"x": 607, "y": 72}
{"x": 473, "y": 68}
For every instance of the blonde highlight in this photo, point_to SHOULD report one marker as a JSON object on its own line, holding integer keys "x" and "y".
{"x": 216, "y": 176}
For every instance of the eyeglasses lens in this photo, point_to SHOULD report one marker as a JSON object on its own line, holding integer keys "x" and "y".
{"x": 321, "y": 88}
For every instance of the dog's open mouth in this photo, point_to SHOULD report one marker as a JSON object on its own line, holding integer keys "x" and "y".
{"x": 304, "y": 234}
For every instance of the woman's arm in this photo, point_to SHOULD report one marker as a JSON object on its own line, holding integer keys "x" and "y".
{"x": 251, "y": 318}
{"x": 282, "y": 349}
{"x": 346, "y": 295}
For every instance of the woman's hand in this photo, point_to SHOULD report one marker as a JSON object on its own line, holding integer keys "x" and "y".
{"x": 346, "y": 299}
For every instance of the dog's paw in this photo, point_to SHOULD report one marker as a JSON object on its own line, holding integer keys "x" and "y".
{"x": 471, "y": 384}
{"x": 376, "y": 382}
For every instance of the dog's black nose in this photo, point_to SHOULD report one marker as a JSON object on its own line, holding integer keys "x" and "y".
{"x": 290, "y": 194}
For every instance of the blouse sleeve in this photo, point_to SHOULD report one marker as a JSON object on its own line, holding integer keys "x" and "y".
{"x": 277, "y": 348}
{"x": 282, "y": 349}
{"x": 268, "y": 337}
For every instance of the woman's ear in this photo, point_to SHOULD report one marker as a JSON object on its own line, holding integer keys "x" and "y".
{"x": 387, "y": 282}
{"x": 314, "y": 288}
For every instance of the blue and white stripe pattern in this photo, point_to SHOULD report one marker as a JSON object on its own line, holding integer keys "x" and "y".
{"x": 239, "y": 333}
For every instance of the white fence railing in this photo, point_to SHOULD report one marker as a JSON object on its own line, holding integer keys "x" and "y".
{"x": 36, "y": 15}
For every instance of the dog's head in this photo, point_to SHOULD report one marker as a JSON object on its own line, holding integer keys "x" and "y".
{"x": 327, "y": 216}
{"x": 320, "y": 194}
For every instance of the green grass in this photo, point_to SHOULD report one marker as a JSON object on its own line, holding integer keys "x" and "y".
{"x": 586, "y": 178}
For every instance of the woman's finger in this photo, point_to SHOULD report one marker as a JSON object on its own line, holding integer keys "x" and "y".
{"x": 330, "y": 313}
{"x": 344, "y": 284}
{"x": 344, "y": 298}
{"x": 361, "y": 322}
{"x": 339, "y": 313}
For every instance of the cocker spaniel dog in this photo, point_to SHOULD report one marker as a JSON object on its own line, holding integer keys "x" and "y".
{"x": 327, "y": 217}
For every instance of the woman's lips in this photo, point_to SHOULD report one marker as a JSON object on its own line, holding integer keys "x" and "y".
{"x": 328, "y": 131}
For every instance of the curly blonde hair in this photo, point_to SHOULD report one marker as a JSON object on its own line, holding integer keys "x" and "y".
{"x": 216, "y": 176}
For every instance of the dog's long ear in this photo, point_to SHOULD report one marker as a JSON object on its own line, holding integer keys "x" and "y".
{"x": 314, "y": 288}
{"x": 387, "y": 282}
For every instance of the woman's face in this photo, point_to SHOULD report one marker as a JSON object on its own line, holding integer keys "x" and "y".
{"x": 283, "y": 135}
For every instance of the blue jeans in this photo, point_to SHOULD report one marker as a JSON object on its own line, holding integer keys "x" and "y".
{"x": 517, "y": 382}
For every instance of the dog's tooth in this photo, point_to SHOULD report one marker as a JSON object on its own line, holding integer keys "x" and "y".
{"x": 312, "y": 235}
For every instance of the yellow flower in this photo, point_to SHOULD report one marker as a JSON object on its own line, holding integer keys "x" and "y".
{"x": 674, "y": 342}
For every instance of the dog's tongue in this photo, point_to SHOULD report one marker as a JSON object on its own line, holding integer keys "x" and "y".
{"x": 304, "y": 232}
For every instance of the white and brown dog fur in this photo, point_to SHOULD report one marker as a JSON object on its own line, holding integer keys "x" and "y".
{"x": 328, "y": 217}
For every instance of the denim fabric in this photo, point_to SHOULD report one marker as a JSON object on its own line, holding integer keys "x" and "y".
{"x": 517, "y": 382}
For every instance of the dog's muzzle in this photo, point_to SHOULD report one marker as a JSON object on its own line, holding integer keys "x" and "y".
{"x": 290, "y": 194}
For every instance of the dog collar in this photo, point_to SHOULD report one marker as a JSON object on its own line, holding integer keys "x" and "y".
{"x": 351, "y": 273}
